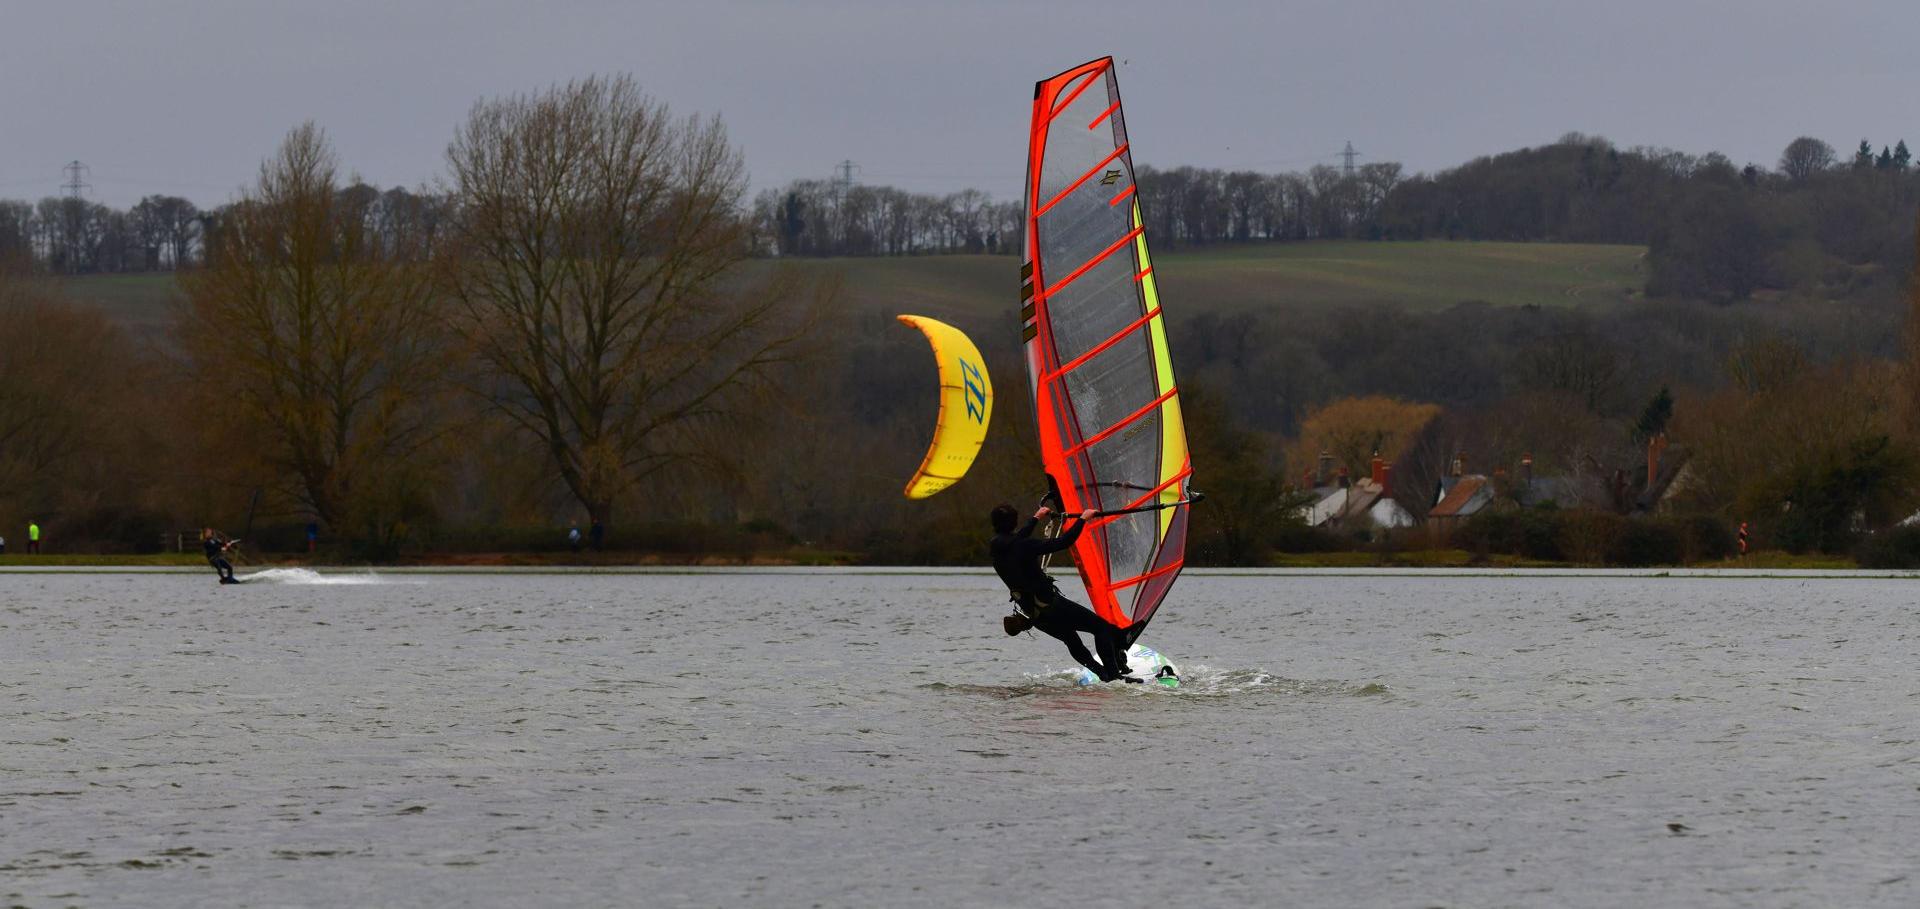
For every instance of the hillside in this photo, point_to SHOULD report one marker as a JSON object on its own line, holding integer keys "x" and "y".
{"x": 1417, "y": 275}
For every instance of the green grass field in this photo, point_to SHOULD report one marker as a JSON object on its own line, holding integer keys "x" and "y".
{"x": 143, "y": 304}
{"x": 1228, "y": 278}
{"x": 1425, "y": 275}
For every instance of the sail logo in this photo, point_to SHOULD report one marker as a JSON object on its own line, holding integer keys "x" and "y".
{"x": 975, "y": 387}
{"x": 1112, "y": 177}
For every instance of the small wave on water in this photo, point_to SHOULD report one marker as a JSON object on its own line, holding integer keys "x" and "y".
{"x": 1207, "y": 680}
{"x": 1195, "y": 681}
{"x": 309, "y": 576}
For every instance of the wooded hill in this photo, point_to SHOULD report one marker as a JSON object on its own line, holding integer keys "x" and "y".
{"x": 1421, "y": 317}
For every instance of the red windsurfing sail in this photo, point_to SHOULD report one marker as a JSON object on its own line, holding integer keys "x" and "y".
{"x": 1111, "y": 436}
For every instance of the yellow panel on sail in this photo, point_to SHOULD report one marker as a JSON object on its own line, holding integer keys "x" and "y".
{"x": 966, "y": 405}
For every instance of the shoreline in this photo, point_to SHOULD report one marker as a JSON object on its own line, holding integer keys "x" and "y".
{"x": 1515, "y": 572}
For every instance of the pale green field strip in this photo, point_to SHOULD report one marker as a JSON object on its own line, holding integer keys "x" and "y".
{"x": 1222, "y": 278}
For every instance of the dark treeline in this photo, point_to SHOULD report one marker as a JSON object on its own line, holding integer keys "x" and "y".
{"x": 1815, "y": 224}
{"x": 72, "y": 236}
{"x": 828, "y": 218}
{"x": 1715, "y": 230}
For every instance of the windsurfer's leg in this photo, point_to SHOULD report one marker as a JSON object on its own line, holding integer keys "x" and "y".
{"x": 1107, "y": 639}
{"x": 1082, "y": 656}
{"x": 1065, "y": 619}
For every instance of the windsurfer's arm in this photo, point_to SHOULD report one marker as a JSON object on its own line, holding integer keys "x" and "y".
{"x": 1064, "y": 540}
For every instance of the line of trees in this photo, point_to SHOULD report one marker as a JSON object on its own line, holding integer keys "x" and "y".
{"x": 71, "y": 236}
{"x": 829, "y": 218}
{"x": 1815, "y": 225}
{"x": 570, "y": 306}
{"x": 68, "y": 235}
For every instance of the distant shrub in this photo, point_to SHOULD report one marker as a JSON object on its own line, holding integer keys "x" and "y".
{"x": 1705, "y": 538}
{"x": 1898, "y": 548}
{"x": 1296, "y": 536}
{"x": 1596, "y": 538}
{"x": 1529, "y": 533}
{"x": 1588, "y": 537}
{"x": 1646, "y": 542}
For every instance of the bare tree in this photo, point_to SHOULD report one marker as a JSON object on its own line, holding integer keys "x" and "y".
{"x": 1805, "y": 157}
{"x": 324, "y": 340}
{"x": 595, "y": 235}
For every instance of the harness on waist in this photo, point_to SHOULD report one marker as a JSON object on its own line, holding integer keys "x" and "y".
{"x": 1032, "y": 604}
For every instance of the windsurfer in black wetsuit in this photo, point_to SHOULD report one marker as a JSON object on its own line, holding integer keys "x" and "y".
{"x": 216, "y": 548}
{"x": 1016, "y": 558}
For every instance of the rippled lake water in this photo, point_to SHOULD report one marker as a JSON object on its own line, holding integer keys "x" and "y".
{"x": 860, "y": 739}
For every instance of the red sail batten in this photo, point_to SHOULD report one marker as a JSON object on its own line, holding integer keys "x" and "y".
{"x": 1117, "y": 246}
{"x": 1083, "y": 178}
{"x": 1100, "y": 348}
{"x": 1143, "y": 578}
{"x": 1130, "y": 419}
{"x": 1100, "y": 69}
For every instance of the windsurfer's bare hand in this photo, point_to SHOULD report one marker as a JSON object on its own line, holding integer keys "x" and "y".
{"x": 1041, "y": 515}
{"x": 1087, "y": 515}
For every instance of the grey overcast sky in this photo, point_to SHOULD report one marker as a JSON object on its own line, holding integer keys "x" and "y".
{"x": 186, "y": 96}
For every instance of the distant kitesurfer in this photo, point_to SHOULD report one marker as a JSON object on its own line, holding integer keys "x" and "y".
{"x": 1016, "y": 558}
{"x": 216, "y": 548}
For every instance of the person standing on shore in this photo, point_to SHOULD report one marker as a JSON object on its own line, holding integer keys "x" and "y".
{"x": 33, "y": 538}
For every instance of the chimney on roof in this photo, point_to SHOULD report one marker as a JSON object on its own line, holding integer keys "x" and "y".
{"x": 1379, "y": 472}
{"x": 1386, "y": 481}
{"x": 1656, "y": 447}
{"x": 1526, "y": 470}
{"x": 1460, "y": 464}
{"x": 1324, "y": 471}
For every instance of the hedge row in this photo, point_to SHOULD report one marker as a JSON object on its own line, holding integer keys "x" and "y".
{"x": 1598, "y": 538}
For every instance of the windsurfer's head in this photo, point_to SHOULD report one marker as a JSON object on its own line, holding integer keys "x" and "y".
{"x": 1004, "y": 517}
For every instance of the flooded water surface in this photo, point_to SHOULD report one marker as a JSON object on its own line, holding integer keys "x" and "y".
{"x": 858, "y": 739}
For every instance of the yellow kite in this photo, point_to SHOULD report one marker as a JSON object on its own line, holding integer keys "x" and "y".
{"x": 966, "y": 404}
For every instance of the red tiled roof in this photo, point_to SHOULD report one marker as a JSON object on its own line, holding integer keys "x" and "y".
{"x": 1457, "y": 497}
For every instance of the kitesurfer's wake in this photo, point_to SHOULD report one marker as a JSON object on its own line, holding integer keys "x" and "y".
{"x": 307, "y": 576}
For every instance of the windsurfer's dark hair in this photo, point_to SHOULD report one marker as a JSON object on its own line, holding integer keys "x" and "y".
{"x": 1004, "y": 517}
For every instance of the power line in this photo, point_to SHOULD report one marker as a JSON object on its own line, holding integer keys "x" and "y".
{"x": 1346, "y": 156}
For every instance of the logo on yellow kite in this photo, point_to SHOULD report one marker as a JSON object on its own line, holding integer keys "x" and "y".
{"x": 1112, "y": 177}
{"x": 976, "y": 389}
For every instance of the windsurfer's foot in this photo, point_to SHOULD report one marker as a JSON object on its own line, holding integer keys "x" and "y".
{"x": 1131, "y": 680}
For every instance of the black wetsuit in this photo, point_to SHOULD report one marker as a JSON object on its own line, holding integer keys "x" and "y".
{"x": 1016, "y": 558}
{"x": 216, "y": 556}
